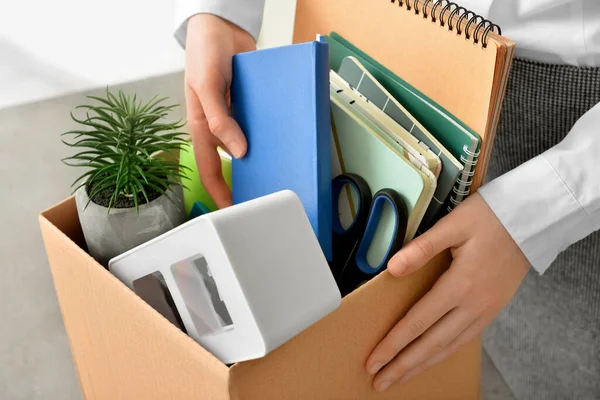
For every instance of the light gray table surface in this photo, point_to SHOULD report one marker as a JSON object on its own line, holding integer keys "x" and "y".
{"x": 35, "y": 360}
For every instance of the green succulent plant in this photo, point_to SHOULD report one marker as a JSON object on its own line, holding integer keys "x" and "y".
{"x": 118, "y": 147}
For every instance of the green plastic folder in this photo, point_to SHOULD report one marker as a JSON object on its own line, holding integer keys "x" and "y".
{"x": 462, "y": 142}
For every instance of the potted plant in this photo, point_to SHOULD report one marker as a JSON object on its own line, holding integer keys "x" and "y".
{"x": 131, "y": 190}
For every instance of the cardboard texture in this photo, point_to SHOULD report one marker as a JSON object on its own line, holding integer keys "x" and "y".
{"x": 124, "y": 349}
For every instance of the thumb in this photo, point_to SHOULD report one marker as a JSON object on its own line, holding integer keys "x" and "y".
{"x": 221, "y": 124}
{"x": 422, "y": 249}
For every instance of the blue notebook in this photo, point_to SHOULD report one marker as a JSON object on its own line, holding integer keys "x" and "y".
{"x": 280, "y": 99}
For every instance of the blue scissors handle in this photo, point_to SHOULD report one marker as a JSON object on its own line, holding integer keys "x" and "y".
{"x": 400, "y": 213}
{"x": 346, "y": 239}
{"x": 362, "y": 210}
{"x": 350, "y": 246}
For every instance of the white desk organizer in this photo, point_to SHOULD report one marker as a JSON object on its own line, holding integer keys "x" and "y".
{"x": 244, "y": 279}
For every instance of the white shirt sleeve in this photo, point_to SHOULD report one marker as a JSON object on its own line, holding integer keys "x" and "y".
{"x": 553, "y": 200}
{"x": 247, "y": 14}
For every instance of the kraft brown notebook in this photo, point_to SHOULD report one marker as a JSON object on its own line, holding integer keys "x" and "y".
{"x": 456, "y": 58}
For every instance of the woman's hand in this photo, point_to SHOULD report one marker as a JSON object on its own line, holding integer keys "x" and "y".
{"x": 487, "y": 269}
{"x": 210, "y": 45}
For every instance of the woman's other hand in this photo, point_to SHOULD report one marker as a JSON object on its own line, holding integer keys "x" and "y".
{"x": 487, "y": 269}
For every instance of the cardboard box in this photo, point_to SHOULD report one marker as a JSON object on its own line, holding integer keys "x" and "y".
{"x": 124, "y": 349}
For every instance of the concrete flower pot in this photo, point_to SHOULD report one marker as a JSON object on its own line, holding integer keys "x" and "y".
{"x": 109, "y": 234}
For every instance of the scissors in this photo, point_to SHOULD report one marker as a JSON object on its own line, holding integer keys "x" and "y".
{"x": 350, "y": 246}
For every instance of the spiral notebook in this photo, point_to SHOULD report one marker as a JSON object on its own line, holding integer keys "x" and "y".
{"x": 455, "y": 58}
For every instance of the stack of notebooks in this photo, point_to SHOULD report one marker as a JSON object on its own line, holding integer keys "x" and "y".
{"x": 395, "y": 137}
{"x": 433, "y": 152}
{"x": 317, "y": 109}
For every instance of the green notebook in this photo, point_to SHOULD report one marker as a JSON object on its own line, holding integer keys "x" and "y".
{"x": 364, "y": 151}
{"x": 455, "y": 136}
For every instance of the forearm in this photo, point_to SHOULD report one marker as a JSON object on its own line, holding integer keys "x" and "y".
{"x": 247, "y": 14}
{"x": 553, "y": 200}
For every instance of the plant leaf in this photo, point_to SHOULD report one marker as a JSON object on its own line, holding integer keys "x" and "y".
{"x": 140, "y": 189}
{"x": 119, "y": 146}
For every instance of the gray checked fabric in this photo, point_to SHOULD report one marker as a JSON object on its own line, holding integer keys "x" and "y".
{"x": 546, "y": 342}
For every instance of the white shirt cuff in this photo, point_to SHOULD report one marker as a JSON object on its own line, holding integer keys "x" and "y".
{"x": 247, "y": 14}
{"x": 538, "y": 210}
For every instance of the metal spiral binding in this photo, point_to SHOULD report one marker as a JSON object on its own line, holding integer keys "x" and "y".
{"x": 469, "y": 152}
{"x": 468, "y": 162}
{"x": 446, "y": 12}
{"x": 454, "y": 203}
{"x": 464, "y": 193}
{"x": 464, "y": 183}
{"x": 469, "y": 173}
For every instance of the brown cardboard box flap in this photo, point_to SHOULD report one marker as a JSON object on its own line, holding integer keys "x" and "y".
{"x": 327, "y": 361}
{"x": 122, "y": 348}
